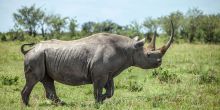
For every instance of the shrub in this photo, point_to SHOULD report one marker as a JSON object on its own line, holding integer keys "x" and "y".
{"x": 130, "y": 84}
{"x": 8, "y": 80}
{"x": 165, "y": 76}
{"x": 17, "y": 36}
{"x": 209, "y": 76}
{"x": 3, "y": 38}
{"x": 135, "y": 86}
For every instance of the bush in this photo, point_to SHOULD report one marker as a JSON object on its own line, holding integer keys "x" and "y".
{"x": 165, "y": 76}
{"x": 210, "y": 76}
{"x": 207, "y": 78}
{"x": 130, "y": 84}
{"x": 17, "y": 36}
{"x": 3, "y": 38}
{"x": 8, "y": 80}
{"x": 135, "y": 86}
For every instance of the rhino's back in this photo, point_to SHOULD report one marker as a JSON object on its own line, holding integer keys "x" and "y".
{"x": 96, "y": 39}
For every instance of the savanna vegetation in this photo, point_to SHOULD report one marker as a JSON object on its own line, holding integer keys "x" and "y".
{"x": 192, "y": 26}
{"x": 189, "y": 77}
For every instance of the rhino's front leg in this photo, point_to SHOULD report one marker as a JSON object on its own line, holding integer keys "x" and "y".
{"x": 98, "y": 85}
{"x": 109, "y": 88}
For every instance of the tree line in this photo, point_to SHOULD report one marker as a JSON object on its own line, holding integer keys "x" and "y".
{"x": 191, "y": 26}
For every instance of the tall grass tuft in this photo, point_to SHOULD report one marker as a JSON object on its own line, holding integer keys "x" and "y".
{"x": 165, "y": 76}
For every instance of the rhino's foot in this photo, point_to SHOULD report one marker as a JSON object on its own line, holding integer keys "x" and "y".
{"x": 59, "y": 102}
{"x": 101, "y": 99}
{"x": 24, "y": 99}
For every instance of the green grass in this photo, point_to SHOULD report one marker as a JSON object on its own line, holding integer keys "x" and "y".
{"x": 189, "y": 78}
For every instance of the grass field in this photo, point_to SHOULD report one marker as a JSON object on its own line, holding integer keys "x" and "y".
{"x": 189, "y": 78}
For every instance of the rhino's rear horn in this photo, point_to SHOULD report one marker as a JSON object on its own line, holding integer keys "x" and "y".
{"x": 153, "y": 41}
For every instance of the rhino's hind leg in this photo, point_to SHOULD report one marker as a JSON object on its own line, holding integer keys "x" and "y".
{"x": 48, "y": 84}
{"x": 30, "y": 82}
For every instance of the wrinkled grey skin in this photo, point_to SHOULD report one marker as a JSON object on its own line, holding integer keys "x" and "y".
{"x": 95, "y": 60}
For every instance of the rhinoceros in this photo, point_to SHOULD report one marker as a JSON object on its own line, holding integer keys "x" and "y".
{"x": 96, "y": 60}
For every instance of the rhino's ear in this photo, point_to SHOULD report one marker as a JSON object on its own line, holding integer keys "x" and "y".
{"x": 136, "y": 38}
{"x": 139, "y": 44}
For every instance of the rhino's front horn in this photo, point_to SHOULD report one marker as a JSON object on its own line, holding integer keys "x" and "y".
{"x": 165, "y": 47}
{"x": 152, "y": 43}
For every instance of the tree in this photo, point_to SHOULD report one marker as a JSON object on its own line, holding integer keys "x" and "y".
{"x": 28, "y": 18}
{"x": 42, "y": 25}
{"x": 132, "y": 30}
{"x": 88, "y": 27}
{"x": 107, "y": 26}
{"x": 151, "y": 24}
{"x": 56, "y": 25}
{"x": 210, "y": 25}
{"x": 176, "y": 18}
{"x": 72, "y": 27}
{"x": 193, "y": 23}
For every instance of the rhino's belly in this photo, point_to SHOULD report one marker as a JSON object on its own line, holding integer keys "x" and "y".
{"x": 68, "y": 66}
{"x": 71, "y": 78}
{"x": 71, "y": 73}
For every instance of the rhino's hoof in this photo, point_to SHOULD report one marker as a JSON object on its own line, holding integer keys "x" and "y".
{"x": 62, "y": 103}
{"x": 59, "y": 102}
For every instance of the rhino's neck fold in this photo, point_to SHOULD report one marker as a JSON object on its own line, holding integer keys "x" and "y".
{"x": 132, "y": 60}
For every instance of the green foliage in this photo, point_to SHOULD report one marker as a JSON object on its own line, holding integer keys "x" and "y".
{"x": 132, "y": 30}
{"x": 135, "y": 86}
{"x": 107, "y": 26}
{"x": 28, "y": 18}
{"x": 8, "y": 80}
{"x": 3, "y": 37}
{"x": 208, "y": 26}
{"x": 72, "y": 27}
{"x": 151, "y": 24}
{"x": 130, "y": 84}
{"x": 88, "y": 27}
{"x": 165, "y": 76}
{"x": 16, "y": 35}
{"x": 56, "y": 24}
{"x": 191, "y": 26}
{"x": 209, "y": 76}
{"x": 176, "y": 18}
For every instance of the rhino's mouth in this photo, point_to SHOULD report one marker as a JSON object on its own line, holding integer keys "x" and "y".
{"x": 157, "y": 64}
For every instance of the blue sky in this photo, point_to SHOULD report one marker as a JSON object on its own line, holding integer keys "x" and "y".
{"x": 119, "y": 11}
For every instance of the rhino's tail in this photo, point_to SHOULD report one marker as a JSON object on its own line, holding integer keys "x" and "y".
{"x": 22, "y": 48}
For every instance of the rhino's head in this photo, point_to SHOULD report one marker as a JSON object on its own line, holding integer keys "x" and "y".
{"x": 150, "y": 57}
